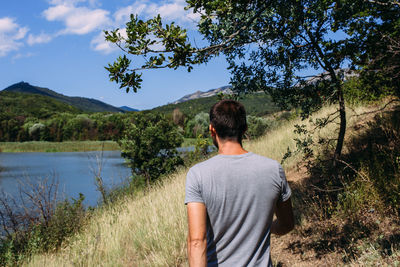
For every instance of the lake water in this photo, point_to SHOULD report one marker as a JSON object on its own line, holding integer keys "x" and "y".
{"x": 74, "y": 171}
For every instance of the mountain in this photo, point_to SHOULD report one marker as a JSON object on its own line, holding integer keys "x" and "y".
{"x": 200, "y": 94}
{"x": 126, "y": 108}
{"x": 82, "y": 103}
{"x": 17, "y": 105}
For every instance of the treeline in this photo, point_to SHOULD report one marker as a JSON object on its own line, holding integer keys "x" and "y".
{"x": 62, "y": 127}
{"x": 30, "y": 117}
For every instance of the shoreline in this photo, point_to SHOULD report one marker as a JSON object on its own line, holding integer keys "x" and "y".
{"x": 68, "y": 146}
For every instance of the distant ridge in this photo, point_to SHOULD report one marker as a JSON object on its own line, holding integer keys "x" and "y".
{"x": 200, "y": 94}
{"x": 126, "y": 108}
{"x": 82, "y": 103}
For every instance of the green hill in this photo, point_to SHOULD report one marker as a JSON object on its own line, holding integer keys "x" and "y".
{"x": 257, "y": 104}
{"x": 14, "y": 104}
{"x": 82, "y": 103}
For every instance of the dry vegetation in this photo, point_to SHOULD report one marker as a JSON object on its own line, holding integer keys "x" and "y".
{"x": 150, "y": 230}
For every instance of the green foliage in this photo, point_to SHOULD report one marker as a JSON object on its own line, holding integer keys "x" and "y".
{"x": 198, "y": 125}
{"x": 257, "y": 104}
{"x": 43, "y": 236}
{"x": 80, "y": 103}
{"x": 365, "y": 90}
{"x": 142, "y": 37}
{"x": 257, "y": 126}
{"x": 201, "y": 149}
{"x": 61, "y": 126}
{"x": 31, "y": 105}
{"x": 149, "y": 145}
{"x": 268, "y": 44}
{"x": 376, "y": 154}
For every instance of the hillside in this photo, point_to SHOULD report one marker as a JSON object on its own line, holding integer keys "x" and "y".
{"x": 150, "y": 229}
{"x": 15, "y": 104}
{"x": 200, "y": 94}
{"x": 82, "y": 103}
{"x": 126, "y": 108}
{"x": 257, "y": 104}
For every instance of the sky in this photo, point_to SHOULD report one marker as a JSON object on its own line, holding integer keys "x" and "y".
{"x": 59, "y": 44}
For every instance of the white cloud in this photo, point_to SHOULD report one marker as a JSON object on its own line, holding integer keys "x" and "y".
{"x": 123, "y": 14}
{"x": 84, "y": 17}
{"x": 169, "y": 10}
{"x": 39, "y": 39}
{"x": 77, "y": 20}
{"x": 101, "y": 45}
{"x": 10, "y": 35}
{"x": 22, "y": 55}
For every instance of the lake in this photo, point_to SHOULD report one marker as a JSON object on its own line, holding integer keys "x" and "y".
{"x": 74, "y": 171}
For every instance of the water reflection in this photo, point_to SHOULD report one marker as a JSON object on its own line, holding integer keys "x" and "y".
{"x": 74, "y": 171}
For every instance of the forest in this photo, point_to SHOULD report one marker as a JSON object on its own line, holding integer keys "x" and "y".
{"x": 33, "y": 117}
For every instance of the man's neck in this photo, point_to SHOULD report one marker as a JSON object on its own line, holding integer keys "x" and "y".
{"x": 228, "y": 147}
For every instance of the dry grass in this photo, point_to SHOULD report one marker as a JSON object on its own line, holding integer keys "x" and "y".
{"x": 150, "y": 230}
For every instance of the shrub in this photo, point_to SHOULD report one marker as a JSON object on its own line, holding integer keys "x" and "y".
{"x": 257, "y": 126}
{"x": 37, "y": 223}
{"x": 149, "y": 145}
{"x": 198, "y": 125}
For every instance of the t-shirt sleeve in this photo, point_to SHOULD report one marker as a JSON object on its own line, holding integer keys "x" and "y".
{"x": 192, "y": 188}
{"x": 285, "y": 189}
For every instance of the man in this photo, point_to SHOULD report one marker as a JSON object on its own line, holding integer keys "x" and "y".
{"x": 231, "y": 198}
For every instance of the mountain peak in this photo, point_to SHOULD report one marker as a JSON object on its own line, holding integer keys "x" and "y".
{"x": 199, "y": 94}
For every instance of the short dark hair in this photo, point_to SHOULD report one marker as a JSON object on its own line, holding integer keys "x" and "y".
{"x": 228, "y": 117}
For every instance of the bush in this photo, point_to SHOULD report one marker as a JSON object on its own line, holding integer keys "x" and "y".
{"x": 257, "y": 126}
{"x": 198, "y": 125}
{"x": 37, "y": 223}
{"x": 149, "y": 145}
{"x": 359, "y": 90}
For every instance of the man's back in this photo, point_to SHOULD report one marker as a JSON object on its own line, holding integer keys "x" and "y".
{"x": 240, "y": 193}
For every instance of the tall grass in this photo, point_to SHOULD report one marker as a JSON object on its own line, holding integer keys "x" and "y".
{"x": 150, "y": 230}
{"x": 67, "y": 146}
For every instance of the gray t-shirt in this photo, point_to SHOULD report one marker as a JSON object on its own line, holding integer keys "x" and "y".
{"x": 240, "y": 193}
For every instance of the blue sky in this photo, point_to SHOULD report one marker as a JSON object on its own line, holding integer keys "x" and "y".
{"x": 59, "y": 44}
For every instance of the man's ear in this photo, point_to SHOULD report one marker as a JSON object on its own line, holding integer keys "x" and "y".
{"x": 212, "y": 130}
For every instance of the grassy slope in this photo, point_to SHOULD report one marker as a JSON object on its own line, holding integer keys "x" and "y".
{"x": 150, "y": 230}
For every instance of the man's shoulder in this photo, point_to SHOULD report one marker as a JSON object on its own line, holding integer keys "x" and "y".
{"x": 204, "y": 164}
{"x": 263, "y": 158}
{"x": 250, "y": 156}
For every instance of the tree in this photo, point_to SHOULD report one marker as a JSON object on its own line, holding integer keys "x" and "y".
{"x": 178, "y": 117}
{"x": 198, "y": 125}
{"x": 149, "y": 144}
{"x": 268, "y": 44}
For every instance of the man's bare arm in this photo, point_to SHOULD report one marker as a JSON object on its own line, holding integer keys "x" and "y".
{"x": 197, "y": 237}
{"x": 284, "y": 222}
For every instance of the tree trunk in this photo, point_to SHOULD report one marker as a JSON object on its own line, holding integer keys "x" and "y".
{"x": 342, "y": 129}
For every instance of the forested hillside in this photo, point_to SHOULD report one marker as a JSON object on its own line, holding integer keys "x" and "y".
{"x": 257, "y": 104}
{"x": 85, "y": 104}
{"x": 13, "y": 104}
